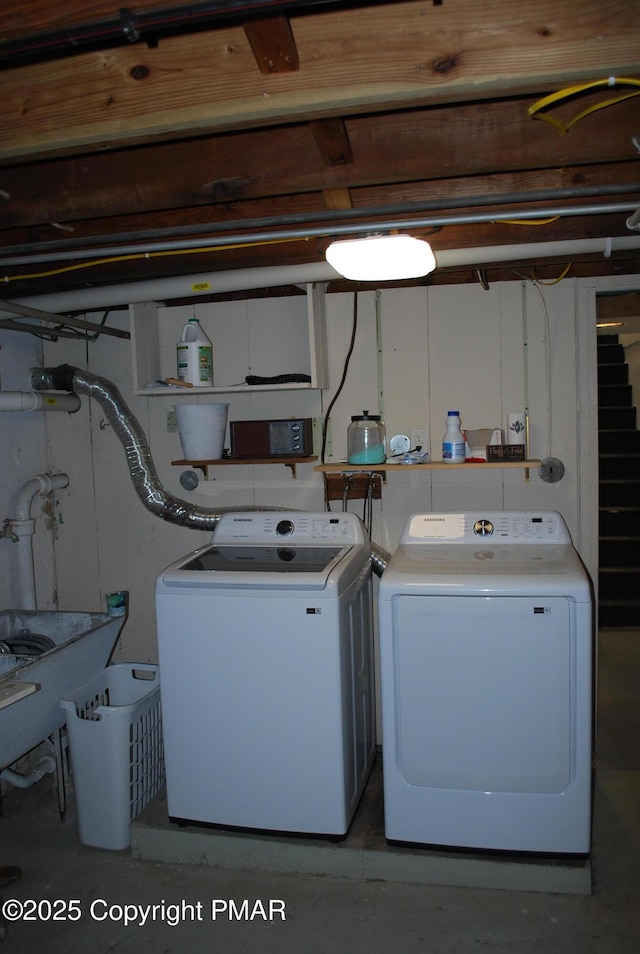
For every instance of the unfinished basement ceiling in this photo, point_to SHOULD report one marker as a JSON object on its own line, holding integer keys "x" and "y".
{"x": 133, "y": 142}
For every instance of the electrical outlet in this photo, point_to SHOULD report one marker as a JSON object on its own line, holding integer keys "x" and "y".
{"x": 419, "y": 437}
{"x": 172, "y": 424}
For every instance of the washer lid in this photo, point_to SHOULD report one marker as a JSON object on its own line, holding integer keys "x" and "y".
{"x": 251, "y": 559}
{"x": 258, "y": 569}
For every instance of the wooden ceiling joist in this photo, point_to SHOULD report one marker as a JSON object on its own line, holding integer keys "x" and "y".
{"x": 361, "y": 58}
{"x": 295, "y": 111}
{"x": 273, "y": 45}
{"x": 332, "y": 139}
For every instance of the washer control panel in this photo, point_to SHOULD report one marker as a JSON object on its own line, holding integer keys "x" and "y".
{"x": 498, "y": 526}
{"x": 263, "y": 528}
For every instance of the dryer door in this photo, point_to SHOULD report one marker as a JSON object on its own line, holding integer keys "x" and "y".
{"x": 483, "y": 692}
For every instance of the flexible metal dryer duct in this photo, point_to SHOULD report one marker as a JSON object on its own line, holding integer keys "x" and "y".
{"x": 127, "y": 429}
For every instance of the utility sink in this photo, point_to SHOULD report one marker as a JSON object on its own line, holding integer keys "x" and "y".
{"x": 31, "y": 686}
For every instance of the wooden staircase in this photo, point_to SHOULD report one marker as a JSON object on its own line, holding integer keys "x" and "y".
{"x": 619, "y": 489}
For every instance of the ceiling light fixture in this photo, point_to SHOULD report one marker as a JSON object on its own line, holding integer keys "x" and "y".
{"x": 380, "y": 258}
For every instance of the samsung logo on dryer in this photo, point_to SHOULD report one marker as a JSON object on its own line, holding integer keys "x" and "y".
{"x": 243, "y": 519}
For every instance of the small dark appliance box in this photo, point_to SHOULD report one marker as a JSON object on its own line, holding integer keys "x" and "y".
{"x": 285, "y": 438}
{"x": 505, "y": 452}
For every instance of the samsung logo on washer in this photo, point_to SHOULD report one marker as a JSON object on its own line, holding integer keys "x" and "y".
{"x": 243, "y": 519}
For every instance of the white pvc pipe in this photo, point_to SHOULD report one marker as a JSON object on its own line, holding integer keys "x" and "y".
{"x": 211, "y": 283}
{"x": 38, "y": 401}
{"x": 45, "y": 766}
{"x": 23, "y": 526}
{"x": 207, "y": 283}
{"x": 450, "y": 258}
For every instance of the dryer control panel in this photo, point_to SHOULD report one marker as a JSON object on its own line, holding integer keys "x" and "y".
{"x": 503, "y": 526}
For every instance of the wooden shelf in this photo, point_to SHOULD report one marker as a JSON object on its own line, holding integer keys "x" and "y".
{"x": 344, "y": 467}
{"x": 204, "y": 465}
{"x": 172, "y": 391}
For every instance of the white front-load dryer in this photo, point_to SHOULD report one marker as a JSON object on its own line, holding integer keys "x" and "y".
{"x": 265, "y": 641}
{"x": 486, "y": 643}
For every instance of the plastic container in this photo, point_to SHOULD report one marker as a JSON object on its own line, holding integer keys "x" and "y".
{"x": 201, "y": 428}
{"x": 366, "y": 439}
{"x": 194, "y": 354}
{"x": 114, "y": 725}
{"x": 453, "y": 451}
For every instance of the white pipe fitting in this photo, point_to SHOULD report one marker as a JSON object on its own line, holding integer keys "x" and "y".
{"x": 45, "y": 766}
{"x": 38, "y": 401}
{"x": 23, "y": 527}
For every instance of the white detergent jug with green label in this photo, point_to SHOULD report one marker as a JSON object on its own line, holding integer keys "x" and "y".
{"x": 195, "y": 356}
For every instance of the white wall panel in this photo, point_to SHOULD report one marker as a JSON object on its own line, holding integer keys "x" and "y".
{"x": 23, "y": 456}
{"x": 446, "y": 347}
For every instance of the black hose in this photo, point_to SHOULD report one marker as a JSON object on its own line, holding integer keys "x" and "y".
{"x": 27, "y": 643}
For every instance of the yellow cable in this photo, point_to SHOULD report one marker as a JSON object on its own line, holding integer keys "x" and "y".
{"x": 553, "y": 99}
{"x": 530, "y": 221}
{"x": 139, "y": 255}
{"x": 555, "y": 281}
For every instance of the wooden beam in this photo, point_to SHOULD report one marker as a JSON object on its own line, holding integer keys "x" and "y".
{"x": 332, "y": 139}
{"x": 417, "y": 145}
{"x": 337, "y": 199}
{"x": 353, "y": 60}
{"x": 625, "y": 305}
{"x": 273, "y": 45}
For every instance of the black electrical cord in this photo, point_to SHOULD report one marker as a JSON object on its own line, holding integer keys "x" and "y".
{"x": 27, "y": 643}
{"x": 354, "y": 328}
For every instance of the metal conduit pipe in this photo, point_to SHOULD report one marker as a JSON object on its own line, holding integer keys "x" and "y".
{"x": 333, "y": 230}
{"x": 95, "y": 245}
{"x": 144, "y": 476}
{"x": 131, "y": 26}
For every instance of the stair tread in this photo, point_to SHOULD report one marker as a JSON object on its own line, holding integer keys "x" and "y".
{"x": 621, "y": 537}
{"x": 619, "y": 454}
{"x": 621, "y": 603}
{"x": 631, "y": 568}
{"x": 619, "y": 480}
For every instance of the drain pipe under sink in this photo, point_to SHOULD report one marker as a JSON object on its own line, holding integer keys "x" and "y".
{"x": 22, "y": 527}
{"x": 45, "y": 766}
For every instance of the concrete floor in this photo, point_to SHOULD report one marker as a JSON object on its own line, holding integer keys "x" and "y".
{"x": 334, "y": 913}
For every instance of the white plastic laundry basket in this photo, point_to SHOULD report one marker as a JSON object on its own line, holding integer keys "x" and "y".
{"x": 114, "y": 724}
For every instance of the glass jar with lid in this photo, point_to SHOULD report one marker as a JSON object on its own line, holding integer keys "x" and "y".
{"x": 366, "y": 439}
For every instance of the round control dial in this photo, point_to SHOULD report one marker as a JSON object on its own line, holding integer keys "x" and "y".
{"x": 483, "y": 528}
{"x": 284, "y": 528}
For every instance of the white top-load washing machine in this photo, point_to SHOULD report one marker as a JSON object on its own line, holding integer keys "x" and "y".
{"x": 486, "y": 678}
{"x": 265, "y": 646}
